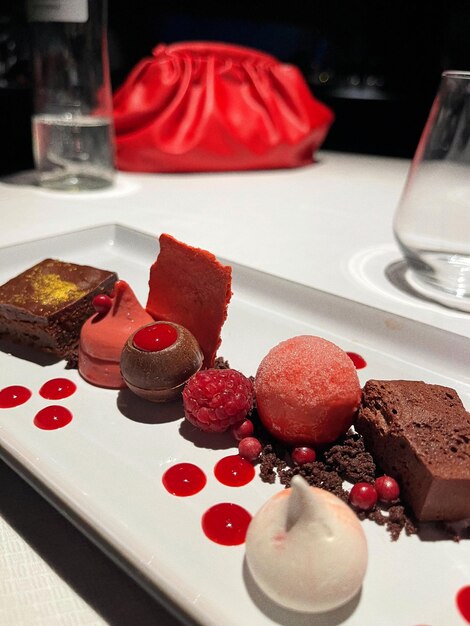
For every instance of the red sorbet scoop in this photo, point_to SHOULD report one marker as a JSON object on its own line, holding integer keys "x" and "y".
{"x": 188, "y": 286}
{"x": 307, "y": 391}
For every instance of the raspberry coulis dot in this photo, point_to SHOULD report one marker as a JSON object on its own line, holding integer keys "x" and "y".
{"x": 155, "y": 337}
{"x": 359, "y": 362}
{"x": 184, "y": 479}
{"x": 52, "y": 417}
{"x": 463, "y": 602}
{"x": 234, "y": 471}
{"x": 14, "y": 395}
{"x": 226, "y": 524}
{"x": 57, "y": 389}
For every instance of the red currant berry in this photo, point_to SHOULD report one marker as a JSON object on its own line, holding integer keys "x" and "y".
{"x": 243, "y": 429}
{"x": 363, "y": 496}
{"x": 102, "y": 303}
{"x": 387, "y": 488}
{"x": 249, "y": 448}
{"x": 303, "y": 455}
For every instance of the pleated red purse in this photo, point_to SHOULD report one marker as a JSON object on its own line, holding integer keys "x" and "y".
{"x": 203, "y": 106}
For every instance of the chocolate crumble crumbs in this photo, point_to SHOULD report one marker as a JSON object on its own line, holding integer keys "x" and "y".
{"x": 347, "y": 460}
{"x": 396, "y": 520}
{"x": 351, "y": 460}
{"x": 221, "y": 364}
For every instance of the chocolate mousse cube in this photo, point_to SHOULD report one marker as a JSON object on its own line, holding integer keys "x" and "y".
{"x": 46, "y": 305}
{"x": 420, "y": 434}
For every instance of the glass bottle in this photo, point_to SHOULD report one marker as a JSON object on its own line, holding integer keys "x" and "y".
{"x": 73, "y": 135}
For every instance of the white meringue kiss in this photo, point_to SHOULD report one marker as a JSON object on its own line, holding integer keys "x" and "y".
{"x": 306, "y": 549}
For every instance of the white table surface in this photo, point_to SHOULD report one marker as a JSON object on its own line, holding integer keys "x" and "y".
{"x": 328, "y": 225}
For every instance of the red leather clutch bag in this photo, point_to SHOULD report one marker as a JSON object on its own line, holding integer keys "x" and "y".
{"x": 202, "y": 106}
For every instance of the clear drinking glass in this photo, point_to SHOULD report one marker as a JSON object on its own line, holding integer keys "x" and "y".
{"x": 432, "y": 221}
{"x": 73, "y": 136}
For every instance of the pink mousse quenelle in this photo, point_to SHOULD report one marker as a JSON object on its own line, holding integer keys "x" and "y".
{"x": 103, "y": 336}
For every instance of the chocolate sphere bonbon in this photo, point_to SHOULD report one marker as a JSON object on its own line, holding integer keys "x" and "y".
{"x": 158, "y": 359}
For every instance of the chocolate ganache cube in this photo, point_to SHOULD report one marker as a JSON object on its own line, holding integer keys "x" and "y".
{"x": 46, "y": 305}
{"x": 420, "y": 434}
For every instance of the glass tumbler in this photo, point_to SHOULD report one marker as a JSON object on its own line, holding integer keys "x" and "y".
{"x": 432, "y": 221}
{"x": 73, "y": 137}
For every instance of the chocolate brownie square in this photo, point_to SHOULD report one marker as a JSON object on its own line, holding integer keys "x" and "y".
{"x": 420, "y": 434}
{"x": 46, "y": 305}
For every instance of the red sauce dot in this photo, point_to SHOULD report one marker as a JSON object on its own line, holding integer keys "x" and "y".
{"x": 234, "y": 471}
{"x": 357, "y": 359}
{"x": 226, "y": 524}
{"x": 463, "y": 602}
{"x": 184, "y": 479}
{"x": 14, "y": 396}
{"x": 57, "y": 389}
{"x": 52, "y": 417}
{"x": 155, "y": 337}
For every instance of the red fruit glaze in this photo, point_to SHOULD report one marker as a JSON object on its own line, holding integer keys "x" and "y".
{"x": 363, "y": 496}
{"x": 303, "y": 455}
{"x": 357, "y": 359}
{"x": 243, "y": 429}
{"x": 52, "y": 417}
{"x": 387, "y": 488}
{"x": 14, "y": 396}
{"x": 155, "y": 337}
{"x": 226, "y": 524}
{"x": 249, "y": 448}
{"x": 57, "y": 389}
{"x": 234, "y": 471}
{"x": 463, "y": 602}
{"x": 102, "y": 303}
{"x": 184, "y": 479}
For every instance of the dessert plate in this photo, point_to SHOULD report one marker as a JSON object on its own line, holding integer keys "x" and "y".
{"x": 104, "y": 469}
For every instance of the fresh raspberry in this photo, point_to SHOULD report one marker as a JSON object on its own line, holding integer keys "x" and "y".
{"x": 215, "y": 399}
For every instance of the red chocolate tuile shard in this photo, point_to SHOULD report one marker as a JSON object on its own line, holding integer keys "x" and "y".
{"x": 420, "y": 434}
{"x": 188, "y": 286}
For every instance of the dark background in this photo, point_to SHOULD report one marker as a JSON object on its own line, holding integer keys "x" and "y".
{"x": 376, "y": 64}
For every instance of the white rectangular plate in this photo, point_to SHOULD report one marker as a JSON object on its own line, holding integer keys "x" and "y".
{"x": 104, "y": 469}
